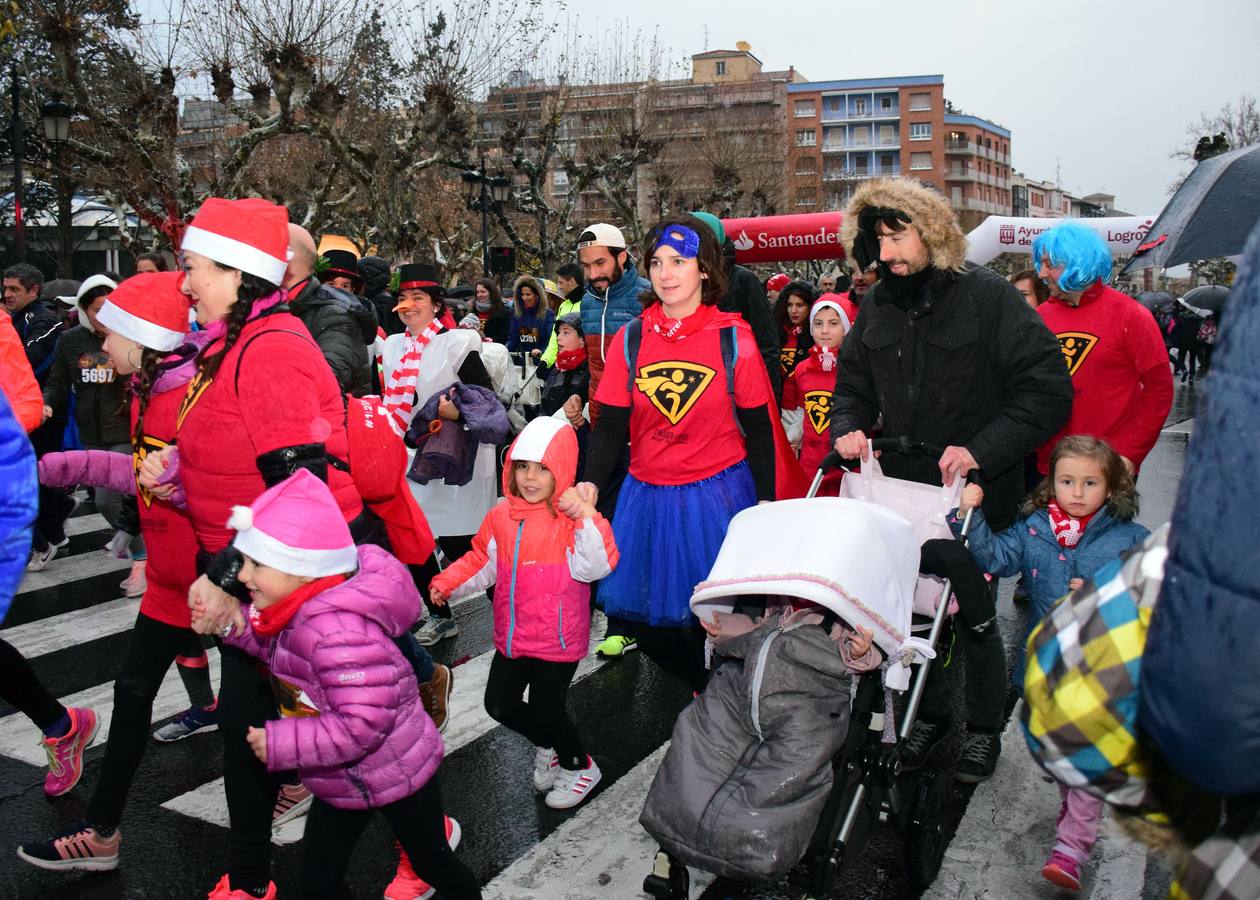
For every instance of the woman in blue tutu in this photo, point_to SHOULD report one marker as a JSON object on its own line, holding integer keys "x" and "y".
{"x": 686, "y": 383}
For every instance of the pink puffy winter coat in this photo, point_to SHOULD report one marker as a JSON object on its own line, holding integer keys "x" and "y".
{"x": 351, "y": 721}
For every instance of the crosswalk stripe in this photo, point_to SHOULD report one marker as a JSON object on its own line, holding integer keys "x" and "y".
{"x": 19, "y": 739}
{"x": 71, "y": 629}
{"x": 63, "y": 570}
{"x": 468, "y": 721}
{"x": 600, "y": 851}
{"x": 85, "y": 524}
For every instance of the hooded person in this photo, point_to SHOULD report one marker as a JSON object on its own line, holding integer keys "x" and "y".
{"x": 952, "y": 356}
{"x": 532, "y": 317}
{"x": 377, "y": 274}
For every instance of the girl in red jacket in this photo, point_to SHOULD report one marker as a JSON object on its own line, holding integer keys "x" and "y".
{"x": 809, "y": 390}
{"x": 544, "y": 544}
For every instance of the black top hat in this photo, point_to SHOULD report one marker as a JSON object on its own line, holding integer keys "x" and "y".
{"x": 342, "y": 263}
{"x": 419, "y": 275}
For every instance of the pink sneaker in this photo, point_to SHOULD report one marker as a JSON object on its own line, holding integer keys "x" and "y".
{"x": 80, "y": 848}
{"x": 407, "y": 885}
{"x": 65, "y": 754}
{"x": 1063, "y": 871}
{"x": 135, "y": 584}
{"x": 223, "y": 891}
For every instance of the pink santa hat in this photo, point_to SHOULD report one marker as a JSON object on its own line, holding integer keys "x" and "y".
{"x": 297, "y": 528}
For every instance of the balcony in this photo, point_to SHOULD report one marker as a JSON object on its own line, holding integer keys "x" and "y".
{"x": 840, "y": 115}
{"x": 841, "y": 146}
{"x": 850, "y": 174}
{"x": 959, "y": 147}
{"x": 960, "y": 174}
{"x": 995, "y": 209}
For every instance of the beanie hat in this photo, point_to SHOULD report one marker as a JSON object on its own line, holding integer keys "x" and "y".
{"x": 574, "y": 321}
{"x": 470, "y": 321}
{"x": 715, "y": 225}
{"x": 297, "y": 528}
{"x": 777, "y": 282}
{"x": 251, "y": 235}
{"x": 149, "y": 309}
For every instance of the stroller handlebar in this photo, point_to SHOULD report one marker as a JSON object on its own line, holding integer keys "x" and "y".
{"x": 903, "y": 446}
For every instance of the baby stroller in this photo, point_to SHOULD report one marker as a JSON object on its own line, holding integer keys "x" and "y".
{"x": 752, "y": 804}
{"x": 527, "y": 397}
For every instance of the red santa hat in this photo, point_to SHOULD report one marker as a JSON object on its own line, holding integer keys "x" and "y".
{"x": 297, "y": 528}
{"x": 149, "y": 309}
{"x": 251, "y": 235}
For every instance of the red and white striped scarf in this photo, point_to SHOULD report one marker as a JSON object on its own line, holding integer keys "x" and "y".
{"x": 400, "y": 394}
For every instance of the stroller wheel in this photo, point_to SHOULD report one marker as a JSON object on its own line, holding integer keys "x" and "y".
{"x": 669, "y": 878}
{"x": 927, "y": 832}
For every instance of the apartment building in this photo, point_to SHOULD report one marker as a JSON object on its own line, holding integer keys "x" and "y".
{"x": 977, "y": 168}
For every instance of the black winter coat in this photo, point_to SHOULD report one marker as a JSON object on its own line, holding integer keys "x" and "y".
{"x": 746, "y": 296}
{"x": 100, "y": 409}
{"x": 39, "y": 326}
{"x": 560, "y": 386}
{"x": 343, "y": 326}
{"x": 376, "y": 274}
{"x": 970, "y": 365}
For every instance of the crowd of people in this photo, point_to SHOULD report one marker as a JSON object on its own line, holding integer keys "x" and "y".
{"x": 308, "y": 460}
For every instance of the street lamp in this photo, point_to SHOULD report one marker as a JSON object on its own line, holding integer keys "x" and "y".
{"x": 15, "y": 137}
{"x": 55, "y": 116}
{"x": 482, "y": 189}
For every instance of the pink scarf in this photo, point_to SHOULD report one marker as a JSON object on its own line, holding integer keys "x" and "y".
{"x": 400, "y": 394}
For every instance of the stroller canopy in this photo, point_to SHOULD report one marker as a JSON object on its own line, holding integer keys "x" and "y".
{"x": 857, "y": 559}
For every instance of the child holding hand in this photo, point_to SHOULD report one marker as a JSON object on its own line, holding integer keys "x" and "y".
{"x": 543, "y": 544}
{"x": 323, "y": 615}
{"x": 1077, "y": 520}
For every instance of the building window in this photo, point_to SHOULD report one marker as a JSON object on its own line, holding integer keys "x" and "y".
{"x": 988, "y": 144}
{"x": 920, "y": 131}
{"x": 885, "y": 103}
{"x": 807, "y": 198}
{"x": 859, "y": 106}
{"x": 955, "y": 195}
{"x": 888, "y": 164}
{"x": 861, "y": 137}
{"x": 1036, "y": 199}
{"x": 560, "y": 178}
{"x": 920, "y": 161}
{"x": 806, "y": 137}
{"x": 920, "y": 102}
{"x": 887, "y": 134}
{"x": 806, "y": 166}
{"x": 803, "y": 109}
{"x": 720, "y": 67}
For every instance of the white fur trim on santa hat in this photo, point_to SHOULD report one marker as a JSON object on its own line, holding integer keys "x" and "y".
{"x": 234, "y": 253}
{"x": 845, "y": 324}
{"x": 142, "y": 331}
{"x": 264, "y": 549}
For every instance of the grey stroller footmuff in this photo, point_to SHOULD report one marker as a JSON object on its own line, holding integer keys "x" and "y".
{"x": 748, "y": 772}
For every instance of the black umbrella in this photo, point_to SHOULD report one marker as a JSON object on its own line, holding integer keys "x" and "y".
{"x": 1210, "y": 215}
{"x": 1210, "y": 297}
{"x": 1154, "y": 299}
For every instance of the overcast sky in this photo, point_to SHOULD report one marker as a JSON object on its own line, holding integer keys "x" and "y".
{"x": 1103, "y": 89}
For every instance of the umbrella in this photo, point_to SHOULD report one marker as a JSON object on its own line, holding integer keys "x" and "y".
{"x": 1210, "y": 215}
{"x": 1153, "y": 300}
{"x": 1210, "y": 297}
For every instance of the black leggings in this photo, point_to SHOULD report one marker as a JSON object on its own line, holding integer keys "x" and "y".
{"x": 154, "y": 646}
{"x": 20, "y": 687}
{"x": 544, "y": 721}
{"x": 452, "y": 548}
{"x": 678, "y": 650}
{"x": 418, "y": 823}
{"x": 985, "y": 694}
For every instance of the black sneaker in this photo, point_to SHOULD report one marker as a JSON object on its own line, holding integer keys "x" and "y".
{"x": 916, "y": 749}
{"x": 978, "y": 758}
{"x": 1021, "y": 592}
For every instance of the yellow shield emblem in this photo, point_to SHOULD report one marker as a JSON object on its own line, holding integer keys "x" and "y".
{"x": 1075, "y": 346}
{"x": 147, "y": 445}
{"x": 818, "y": 410}
{"x": 196, "y": 388}
{"x": 673, "y": 387}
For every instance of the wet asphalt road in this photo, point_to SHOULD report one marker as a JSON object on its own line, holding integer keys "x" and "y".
{"x": 624, "y": 709}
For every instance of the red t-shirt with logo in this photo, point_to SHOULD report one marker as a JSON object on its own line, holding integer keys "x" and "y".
{"x": 811, "y": 389}
{"x": 682, "y": 426}
{"x": 1119, "y": 367}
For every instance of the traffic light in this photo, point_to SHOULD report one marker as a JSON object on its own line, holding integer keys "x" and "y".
{"x": 502, "y": 260}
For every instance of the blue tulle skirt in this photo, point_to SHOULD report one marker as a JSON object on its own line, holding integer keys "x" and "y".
{"x": 668, "y": 537}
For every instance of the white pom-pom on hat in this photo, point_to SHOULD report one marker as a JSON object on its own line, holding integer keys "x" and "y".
{"x": 242, "y": 518}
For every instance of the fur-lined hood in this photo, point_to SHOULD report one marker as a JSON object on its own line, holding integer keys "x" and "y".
{"x": 540, "y": 307}
{"x": 929, "y": 212}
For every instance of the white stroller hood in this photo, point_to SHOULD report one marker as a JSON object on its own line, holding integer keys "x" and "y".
{"x": 857, "y": 559}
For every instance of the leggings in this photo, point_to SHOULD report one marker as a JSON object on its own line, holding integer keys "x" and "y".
{"x": 985, "y": 695}
{"x": 419, "y": 825}
{"x": 54, "y": 505}
{"x": 154, "y": 646}
{"x": 679, "y": 650}
{"x": 544, "y": 721}
{"x": 20, "y": 687}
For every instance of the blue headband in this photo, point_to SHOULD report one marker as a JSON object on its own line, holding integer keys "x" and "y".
{"x": 682, "y": 239}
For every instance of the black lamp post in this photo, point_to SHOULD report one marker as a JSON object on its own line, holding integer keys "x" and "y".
{"x": 55, "y": 116}
{"x": 481, "y": 188}
{"x": 15, "y": 134}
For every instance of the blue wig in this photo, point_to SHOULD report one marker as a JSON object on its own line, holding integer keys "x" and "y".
{"x": 1084, "y": 255}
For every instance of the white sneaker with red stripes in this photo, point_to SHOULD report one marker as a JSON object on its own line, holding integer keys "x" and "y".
{"x": 573, "y": 785}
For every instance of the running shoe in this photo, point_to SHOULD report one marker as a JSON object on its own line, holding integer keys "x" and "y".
{"x": 435, "y": 694}
{"x": 41, "y": 558}
{"x": 979, "y": 757}
{"x": 916, "y": 749}
{"x": 407, "y": 885}
{"x": 573, "y": 786}
{"x": 436, "y": 629}
{"x": 79, "y": 849}
{"x": 193, "y": 720}
{"x": 293, "y": 801}
{"x": 223, "y": 891}
{"x": 1061, "y": 870}
{"x": 546, "y": 765}
{"x": 615, "y": 646}
{"x": 65, "y": 754}
{"x": 134, "y": 584}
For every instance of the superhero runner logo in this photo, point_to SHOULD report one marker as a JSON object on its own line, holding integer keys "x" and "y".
{"x": 196, "y": 388}
{"x": 147, "y": 445}
{"x": 818, "y": 410}
{"x": 673, "y": 387}
{"x": 291, "y": 700}
{"x": 1075, "y": 346}
{"x": 787, "y": 357}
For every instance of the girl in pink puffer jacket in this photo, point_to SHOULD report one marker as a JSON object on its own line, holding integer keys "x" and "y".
{"x": 543, "y": 544}
{"x": 323, "y": 615}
